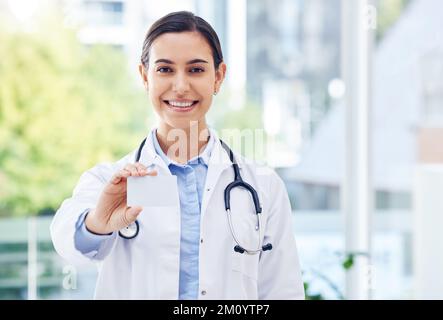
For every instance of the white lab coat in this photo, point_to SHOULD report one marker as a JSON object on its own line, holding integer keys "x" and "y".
{"x": 147, "y": 267}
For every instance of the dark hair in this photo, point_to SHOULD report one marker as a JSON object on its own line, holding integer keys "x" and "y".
{"x": 179, "y": 22}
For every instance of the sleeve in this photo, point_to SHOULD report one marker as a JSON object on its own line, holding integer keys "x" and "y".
{"x": 279, "y": 274}
{"x": 87, "y": 242}
{"x": 65, "y": 222}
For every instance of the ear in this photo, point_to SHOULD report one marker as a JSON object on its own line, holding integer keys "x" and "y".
{"x": 143, "y": 74}
{"x": 219, "y": 76}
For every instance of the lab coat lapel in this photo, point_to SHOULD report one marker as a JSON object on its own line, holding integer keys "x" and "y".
{"x": 150, "y": 158}
{"x": 218, "y": 162}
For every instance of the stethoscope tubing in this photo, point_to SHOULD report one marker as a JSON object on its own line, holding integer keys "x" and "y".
{"x": 237, "y": 183}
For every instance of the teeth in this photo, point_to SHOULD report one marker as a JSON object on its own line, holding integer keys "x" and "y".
{"x": 180, "y": 104}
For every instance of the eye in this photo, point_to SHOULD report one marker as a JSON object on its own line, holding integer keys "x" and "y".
{"x": 164, "y": 69}
{"x": 196, "y": 70}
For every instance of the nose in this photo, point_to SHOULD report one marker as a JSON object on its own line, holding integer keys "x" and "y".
{"x": 181, "y": 84}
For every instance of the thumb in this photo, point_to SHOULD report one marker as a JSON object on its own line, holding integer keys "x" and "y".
{"x": 132, "y": 213}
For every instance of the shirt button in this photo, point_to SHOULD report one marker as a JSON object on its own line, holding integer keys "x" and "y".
{"x": 203, "y": 292}
{"x": 201, "y": 240}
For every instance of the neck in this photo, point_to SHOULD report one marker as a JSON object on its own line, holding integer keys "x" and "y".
{"x": 183, "y": 144}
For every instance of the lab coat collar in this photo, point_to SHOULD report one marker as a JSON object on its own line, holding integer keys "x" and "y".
{"x": 218, "y": 163}
{"x": 218, "y": 158}
{"x": 150, "y": 158}
{"x": 203, "y": 157}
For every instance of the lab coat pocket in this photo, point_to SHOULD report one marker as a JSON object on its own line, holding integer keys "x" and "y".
{"x": 248, "y": 238}
{"x": 245, "y": 275}
{"x": 244, "y": 222}
{"x": 246, "y": 264}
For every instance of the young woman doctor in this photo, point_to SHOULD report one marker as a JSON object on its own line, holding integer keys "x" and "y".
{"x": 229, "y": 234}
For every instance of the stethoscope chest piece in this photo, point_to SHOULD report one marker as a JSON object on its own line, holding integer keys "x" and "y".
{"x": 131, "y": 231}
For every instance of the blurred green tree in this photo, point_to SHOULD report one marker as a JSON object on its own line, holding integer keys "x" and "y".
{"x": 388, "y": 12}
{"x": 239, "y": 123}
{"x": 63, "y": 108}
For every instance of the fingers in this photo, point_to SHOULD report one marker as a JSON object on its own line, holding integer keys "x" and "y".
{"x": 131, "y": 214}
{"x": 122, "y": 174}
{"x": 132, "y": 169}
{"x": 143, "y": 171}
{"x": 151, "y": 173}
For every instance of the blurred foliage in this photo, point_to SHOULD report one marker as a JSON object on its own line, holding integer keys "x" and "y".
{"x": 388, "y": 11}
{"x": 63, "y": 108}
{"x": 235, "y": 123}
{"x": 347, "y": 262}
{"x": 309, "y": 295}
{"x": 224, "y": 116}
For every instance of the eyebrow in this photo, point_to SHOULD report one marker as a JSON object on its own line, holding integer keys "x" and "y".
{"x": 189, "y": 62}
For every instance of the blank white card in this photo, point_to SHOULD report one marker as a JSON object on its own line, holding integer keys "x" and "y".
{"x": 152, "y": 191}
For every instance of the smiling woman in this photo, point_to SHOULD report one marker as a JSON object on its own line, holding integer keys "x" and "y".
{"x": 194, "y": 248}
{"x": 181, "y": 75}
{"x": 182, "y": 68}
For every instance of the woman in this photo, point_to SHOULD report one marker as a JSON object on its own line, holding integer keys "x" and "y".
{"x": 190, "y": 250}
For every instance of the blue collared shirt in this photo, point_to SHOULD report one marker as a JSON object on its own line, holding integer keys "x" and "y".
{"x": 191, "y": 179}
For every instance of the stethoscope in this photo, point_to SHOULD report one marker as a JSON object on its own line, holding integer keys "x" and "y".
{"x": 132, "y": 230}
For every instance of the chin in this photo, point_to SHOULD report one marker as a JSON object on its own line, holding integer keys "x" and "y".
{"x": 181, "y": 123}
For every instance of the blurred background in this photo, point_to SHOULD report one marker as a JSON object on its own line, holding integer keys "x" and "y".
{"x": 348, "y": 95}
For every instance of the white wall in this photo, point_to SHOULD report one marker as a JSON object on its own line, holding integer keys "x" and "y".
{"x": 428, "y": 232}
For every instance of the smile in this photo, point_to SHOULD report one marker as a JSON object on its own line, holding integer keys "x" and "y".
{"x": 181, "y": 106}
